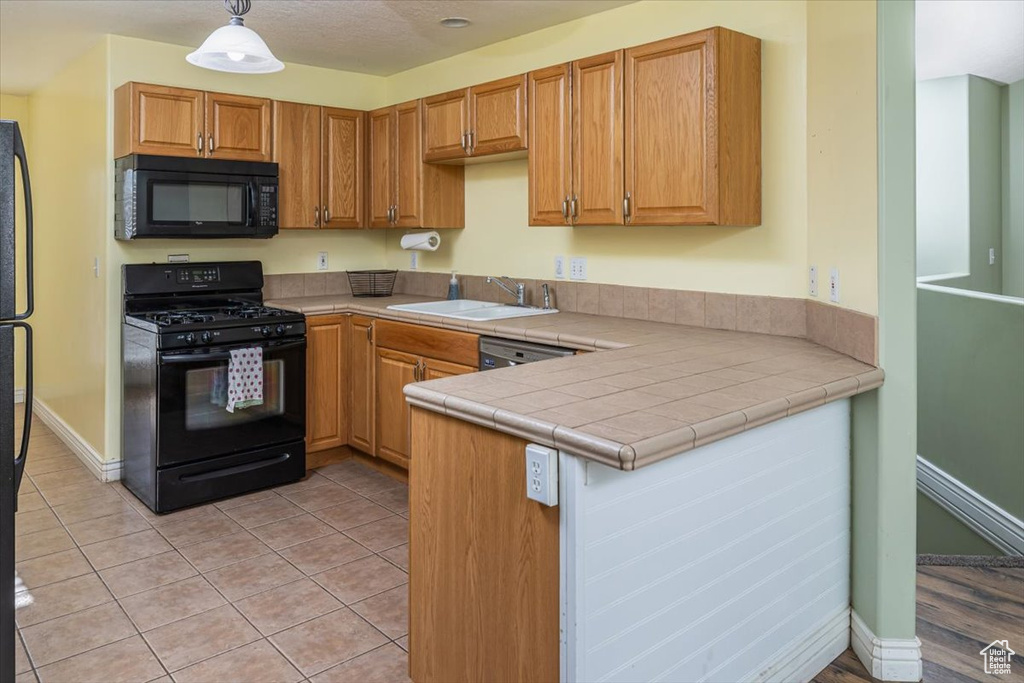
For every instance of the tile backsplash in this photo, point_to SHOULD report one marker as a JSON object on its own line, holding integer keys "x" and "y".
{"x": 846, "y": 331}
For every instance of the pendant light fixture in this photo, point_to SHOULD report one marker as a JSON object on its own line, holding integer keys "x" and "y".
{"x": 235, "y": 48}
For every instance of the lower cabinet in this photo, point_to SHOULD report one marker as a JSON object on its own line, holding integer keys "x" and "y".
{"x": 362, "y": 368}
{"x": 326, "y": 381}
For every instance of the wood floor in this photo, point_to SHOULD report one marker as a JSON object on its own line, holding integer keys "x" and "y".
{"x": 960, "y": 610}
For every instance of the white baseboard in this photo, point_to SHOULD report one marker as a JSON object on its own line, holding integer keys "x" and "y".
{"x": 19, "y": 395}
{"x": 988, "y": 520}
{"x": 104, "y": 471}
{"x": 806, "y": 659}
{"x": 888, "y": 659}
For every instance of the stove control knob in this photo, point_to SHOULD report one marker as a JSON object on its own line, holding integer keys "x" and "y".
{"x": 279, "y": 330}
{"x": 190, "y": 339}
{"x": 206, "y": 337}
{"x": 265, "y": 331}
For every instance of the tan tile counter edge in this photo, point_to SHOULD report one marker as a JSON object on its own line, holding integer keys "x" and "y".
{"x": 848, "y": 378}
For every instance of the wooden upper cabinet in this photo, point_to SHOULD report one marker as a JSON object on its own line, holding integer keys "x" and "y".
{"x": 297, "y": 153}
{"x": 326, "y": 382}
{"x": 408, "y": 198}
{"x": 597, "y": 196}
{"x": 343, "y": 139}
{"x": 361, "y": 384}
{"x": 498, "y": 116}
{"x": 446, "y": 126}
{"x": 237, "y": 127}
{"x": 382, "y": 166}
{"x": 550, "y": 155}
{"x": 693, "y": 130}
{"x": 155, "y": 119}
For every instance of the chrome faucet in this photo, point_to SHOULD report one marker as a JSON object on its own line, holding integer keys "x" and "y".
{"x": 516, "y": 289}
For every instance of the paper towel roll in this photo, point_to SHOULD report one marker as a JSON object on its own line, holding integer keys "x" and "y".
{"x": 421, "y": 241}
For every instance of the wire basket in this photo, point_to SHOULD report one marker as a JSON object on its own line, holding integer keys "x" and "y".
{"x": 372, "y": 282}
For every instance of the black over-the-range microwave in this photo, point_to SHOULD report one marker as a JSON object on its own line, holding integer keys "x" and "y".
{"x": 161, "y": 197}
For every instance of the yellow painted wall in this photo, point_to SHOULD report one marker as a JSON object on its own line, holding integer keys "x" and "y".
{"x": 15, "y": 108}
{"x": 842, "y": 156}
{"x": 765, "y": 260}
{"x": 68, "y": 157}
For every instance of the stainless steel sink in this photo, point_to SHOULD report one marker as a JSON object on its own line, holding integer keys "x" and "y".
{"x": 468, "y": 309}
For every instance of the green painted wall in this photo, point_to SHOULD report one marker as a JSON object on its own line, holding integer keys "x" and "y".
{"x": 940, "y": 533}
{"x": 985, "y": 184}
{"x": 970, "y": 418}
{"x": 1013, "y": 188}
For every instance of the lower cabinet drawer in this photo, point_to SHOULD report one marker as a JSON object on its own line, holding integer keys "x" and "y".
{"x": 431, "y": 342}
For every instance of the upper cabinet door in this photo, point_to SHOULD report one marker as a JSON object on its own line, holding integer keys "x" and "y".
{"x": 382, "y": 166}
{"x": 671, "y": 137}
{"x": 297, "y": 153}
{"x": 408, "y": 159}
{"x": 237, "y": 127}
{"x": 154, "y": 119}
{"x": 342, "y": 196}
{"x": 597, "y": 140}
{"x": 446, "y": 126}
{"x": 498, "y": 114}
{"x": 550, "y": 149}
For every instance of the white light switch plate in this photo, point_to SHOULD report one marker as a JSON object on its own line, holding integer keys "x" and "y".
{"x": 542, "y": 474}
{"x": 833, "y": 285}
{"x": 812, "y": 286}
{"x": 321, "y": 260}
{"x": 559, "y": 267}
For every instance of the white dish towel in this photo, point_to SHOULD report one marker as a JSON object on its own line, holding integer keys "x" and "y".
{"x": 245, "y": 378}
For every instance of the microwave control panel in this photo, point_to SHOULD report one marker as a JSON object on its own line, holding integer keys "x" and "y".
{"x": 268, "y": 206}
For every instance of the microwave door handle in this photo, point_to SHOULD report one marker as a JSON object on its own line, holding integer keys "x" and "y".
{"x": 251, "y": 222}
{"x": 26, "y": 429}
{"x": 19, "y": 151}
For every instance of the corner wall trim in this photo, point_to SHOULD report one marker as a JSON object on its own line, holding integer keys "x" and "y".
{"x": 887, "y": 659}
{"x": 988, "y": 520}
{"x": 90, "y": 457}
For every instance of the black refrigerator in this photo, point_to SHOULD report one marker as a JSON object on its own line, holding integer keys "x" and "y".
{"x": 12, "y": 321}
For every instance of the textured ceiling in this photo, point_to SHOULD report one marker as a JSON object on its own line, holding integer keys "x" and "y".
{"x": 38, "y": 37}
{"x": 980, "y": 37}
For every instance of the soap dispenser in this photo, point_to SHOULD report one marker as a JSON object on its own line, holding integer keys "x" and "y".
{"x": 453, "y": 288}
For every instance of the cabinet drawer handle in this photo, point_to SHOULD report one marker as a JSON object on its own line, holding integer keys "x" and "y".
{"x": 199, "y": 144}
{"x": 327, "y": 215}
{"x": 210, "y": 146}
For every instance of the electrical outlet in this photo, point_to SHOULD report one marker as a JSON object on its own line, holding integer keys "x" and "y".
{"x": 559, "y": 267}
{"x": 542, "y": 474}
{"x": 833, "y": 285}
{"x": 992, "y": 256}
{"x": 414, "y": 260}
{"x": 321, "y": 260}
{"x": 578, "y": 268}
{"x": 812, "y": 285}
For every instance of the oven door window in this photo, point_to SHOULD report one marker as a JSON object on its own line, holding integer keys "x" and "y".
{"x": 193, "y": 422}
{"x": 197, "y": 203}
{"x": 206, "y": 397}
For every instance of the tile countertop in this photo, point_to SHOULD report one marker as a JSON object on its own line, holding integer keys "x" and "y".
{"x": 654, "y": 390}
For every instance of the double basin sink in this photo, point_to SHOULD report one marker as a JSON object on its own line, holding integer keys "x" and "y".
{"x": 468, "y": 309}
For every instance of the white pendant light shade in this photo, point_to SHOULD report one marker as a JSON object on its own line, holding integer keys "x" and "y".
{"x": 235, "y": 49}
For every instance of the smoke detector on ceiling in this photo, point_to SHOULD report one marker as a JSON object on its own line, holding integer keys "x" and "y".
{"x": 455, "y": 22}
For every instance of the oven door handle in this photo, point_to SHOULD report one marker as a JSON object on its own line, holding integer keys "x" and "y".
{"x": 224, "y": 355}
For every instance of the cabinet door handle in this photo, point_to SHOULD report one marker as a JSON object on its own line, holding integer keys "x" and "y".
{"x": 210, "y": 146}
{"x": 465, "y": 145}
{"x": 394, "y": 213}
{"x": 199, "y": 144}
{"x": 573, "y": 206}
{"x": 626, "y": 207}
{"x": 327, "y": 215}
{"x": 369, "y": 333}
{"x": 316, "y": 216}
{"x": 416, "y": 372}
{"x": 472, "y": 141}
{"x": 565, "y": 209}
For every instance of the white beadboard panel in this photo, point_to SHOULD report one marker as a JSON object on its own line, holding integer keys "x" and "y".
{"x": 710, "y": 565}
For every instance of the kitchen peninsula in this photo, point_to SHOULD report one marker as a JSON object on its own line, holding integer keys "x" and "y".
{"x": 702, "y": 525}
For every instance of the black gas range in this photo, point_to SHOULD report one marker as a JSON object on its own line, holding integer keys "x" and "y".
{"x": 181, "y": 443}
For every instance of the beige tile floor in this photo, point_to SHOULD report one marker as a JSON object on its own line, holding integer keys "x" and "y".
{"x": 304, "y": 582}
